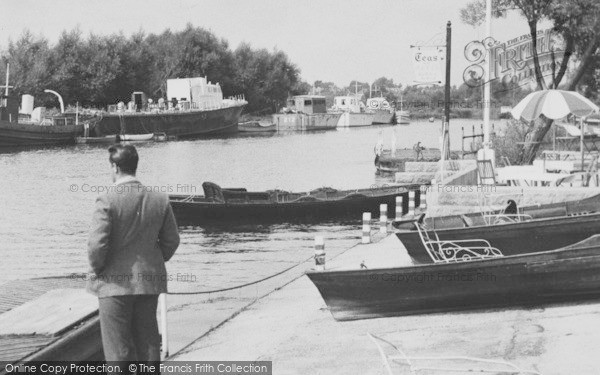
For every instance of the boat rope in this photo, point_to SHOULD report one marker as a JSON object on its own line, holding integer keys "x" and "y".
{"x": 246, "y": 284}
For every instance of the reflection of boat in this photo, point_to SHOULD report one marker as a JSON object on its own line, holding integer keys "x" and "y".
{"x": 306, "y": 112}
{"x": 563, "y": 275}
{"x": 274, "y": 206}
{"x": 256, "y": 127}
{"x": 198, "y": 110}
{"x": 512, "y": 238}
{"x": 353, "y": 111}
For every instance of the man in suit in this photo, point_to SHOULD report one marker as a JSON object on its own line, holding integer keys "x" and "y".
{"x": 133, "y": 234}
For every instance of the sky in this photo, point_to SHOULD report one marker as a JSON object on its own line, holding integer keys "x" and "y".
{"x": 329, "y": 40}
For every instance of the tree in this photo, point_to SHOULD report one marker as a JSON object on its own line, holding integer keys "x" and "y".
{"x": 29, "y": 65}
{"x": 576, "y": 21}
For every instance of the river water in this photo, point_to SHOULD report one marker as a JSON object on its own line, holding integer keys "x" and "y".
{"x": 47, "y": 198}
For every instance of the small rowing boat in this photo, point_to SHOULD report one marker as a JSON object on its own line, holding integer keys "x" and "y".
{"x": 219, "y": 205}
{"x": 563, "y": 275}
{"x": 512, "y": 238}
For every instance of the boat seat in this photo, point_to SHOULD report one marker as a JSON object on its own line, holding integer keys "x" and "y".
{"x": 305, "y": 198}
{"x": 467, "y": 221}
{"x": 354, "y": 196}
{"x": 449, "y": 251}
{"x": 213, "y": 192}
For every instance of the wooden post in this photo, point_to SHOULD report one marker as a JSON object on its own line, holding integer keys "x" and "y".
{"x": 399, "y": 206}
{"x": 319, "y": 253}
{"x": 366, "y": 228}
{"x": 383, "y": 218}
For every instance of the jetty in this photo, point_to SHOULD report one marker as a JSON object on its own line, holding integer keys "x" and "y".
{"x": 292, "y": 327}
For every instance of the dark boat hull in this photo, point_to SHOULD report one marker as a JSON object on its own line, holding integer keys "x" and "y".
{"x": 524, "y": 280}
{"x": 512, "y": 238}
{"x": 304, "y": 210}
{"x": 20, "y": 135}
{"x": 180, "y": 124}
{"x": 586, "y": 205}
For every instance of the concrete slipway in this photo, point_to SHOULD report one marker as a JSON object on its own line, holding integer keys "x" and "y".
{"x": 292, "y": 327}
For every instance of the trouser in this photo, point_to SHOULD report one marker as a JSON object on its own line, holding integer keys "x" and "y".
{"x": 129, "y": 328}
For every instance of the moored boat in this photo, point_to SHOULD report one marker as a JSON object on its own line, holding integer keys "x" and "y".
{"x": 511, "y": 238}
{"x": 195, "y": 108}
{"x": 305, "y": 113}
{"x": 381, "y": 110}
{"x": 540, "y": 211}
{"x": 352, "y": 110}
{"x": 240, "y": 206}
{"x": 97, "y": 140}
{"x": 55, "y": 130}
{"x": 564, "y": 275}
{"x": 136, "y": 137}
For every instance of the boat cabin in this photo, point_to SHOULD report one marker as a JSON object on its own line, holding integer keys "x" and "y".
{"x": 9, "y": 109}
{"x": 309, "y": 104}
{"x": 351, "y": 103}
{"x": 196, "y": 93}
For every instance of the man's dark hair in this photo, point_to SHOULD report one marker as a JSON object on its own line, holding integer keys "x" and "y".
{"x": 125, "y": 157}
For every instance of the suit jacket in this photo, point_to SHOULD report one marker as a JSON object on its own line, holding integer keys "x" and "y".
{"x": 133, "y": 234}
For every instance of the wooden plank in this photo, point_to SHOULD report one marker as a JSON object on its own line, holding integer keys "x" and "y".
{"x": 49, "y": 314}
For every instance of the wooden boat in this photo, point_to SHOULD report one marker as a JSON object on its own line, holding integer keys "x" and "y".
{"x": 568, "y": 208}
{"x": 96, "y": 140}
{"x": 238, "y": 205}
{"x": 388, "y": 163}
{"x": 563, "y": 275}
{"x": 256, "y": 127}
{"x": 511, "y": 238}
{"x": 136, "y": 137}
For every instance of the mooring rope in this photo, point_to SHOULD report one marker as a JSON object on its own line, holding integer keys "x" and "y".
{"x": 243, "y": 285}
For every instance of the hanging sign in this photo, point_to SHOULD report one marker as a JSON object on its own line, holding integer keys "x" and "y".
{"x": 428, "y": 64}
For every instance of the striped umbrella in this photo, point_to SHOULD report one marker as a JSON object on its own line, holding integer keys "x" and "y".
{"x": 554, "y": 104}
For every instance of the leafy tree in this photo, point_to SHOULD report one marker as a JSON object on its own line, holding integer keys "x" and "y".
{"x": 29, "y": 59}
{"x": 576, "y": 21}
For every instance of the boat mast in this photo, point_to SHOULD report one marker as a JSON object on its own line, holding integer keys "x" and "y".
{"x": 6, "y": 87}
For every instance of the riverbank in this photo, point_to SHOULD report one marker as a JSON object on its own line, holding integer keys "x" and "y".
{"x": 293, "y": 328}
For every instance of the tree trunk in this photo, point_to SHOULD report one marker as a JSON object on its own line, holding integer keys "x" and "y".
{"x": 541, "y": 82}
{"x": 533, "y": 140}
{"x": 586, "y": 60}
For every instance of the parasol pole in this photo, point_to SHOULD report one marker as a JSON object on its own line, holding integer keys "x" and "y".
{"x": 486, "y": 91}
{"x": 581, "y": 142}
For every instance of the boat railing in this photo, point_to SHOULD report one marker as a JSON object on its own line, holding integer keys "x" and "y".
{"x": 450, "y": 251}
{"x": 441, "y": 364}
{"x": 492, "y": 215}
